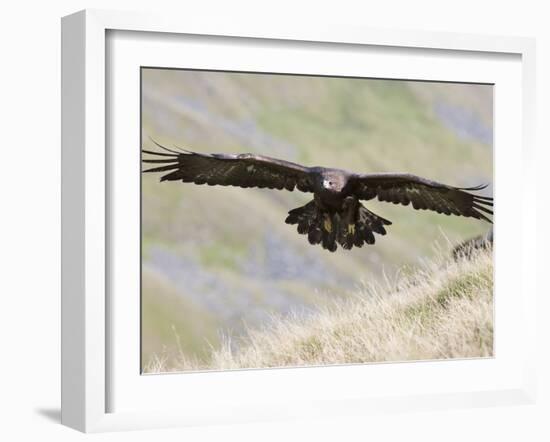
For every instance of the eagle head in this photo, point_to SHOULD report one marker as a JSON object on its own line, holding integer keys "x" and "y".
{"x": 333, "y": 181}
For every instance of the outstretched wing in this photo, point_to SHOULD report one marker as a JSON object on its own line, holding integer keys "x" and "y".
{"x": 244, "y": 170}
{"x": 423, "y": 194}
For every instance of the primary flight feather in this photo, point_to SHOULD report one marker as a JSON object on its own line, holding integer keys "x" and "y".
{"x": 335, "y": 215}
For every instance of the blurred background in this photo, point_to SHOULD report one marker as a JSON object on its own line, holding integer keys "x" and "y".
{"x": 219, "y": 260}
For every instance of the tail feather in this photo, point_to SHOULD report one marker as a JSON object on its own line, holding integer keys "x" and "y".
{"x": 315, "y": 235}
{"x": 353, "y": 226}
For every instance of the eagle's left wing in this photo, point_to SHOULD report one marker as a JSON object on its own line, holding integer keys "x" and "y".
{"x": 422, "y": 193}
{"x": 244, "y": 170}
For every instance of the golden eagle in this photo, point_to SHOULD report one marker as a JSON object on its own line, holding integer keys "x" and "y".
{"x": 335, "y": 215}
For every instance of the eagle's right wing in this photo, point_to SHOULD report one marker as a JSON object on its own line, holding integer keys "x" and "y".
{"x": 244, "y": 170}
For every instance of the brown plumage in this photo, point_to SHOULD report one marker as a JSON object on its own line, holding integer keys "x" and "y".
{"x": 335, "y": 215}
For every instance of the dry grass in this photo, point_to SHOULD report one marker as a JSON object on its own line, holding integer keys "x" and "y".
{"x": 444, "y": 310}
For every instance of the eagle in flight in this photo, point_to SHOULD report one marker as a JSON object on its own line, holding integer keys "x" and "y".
{"x": 335, "y": 215}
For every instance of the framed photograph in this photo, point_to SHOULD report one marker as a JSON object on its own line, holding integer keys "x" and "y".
{"x": 280, "y": 223}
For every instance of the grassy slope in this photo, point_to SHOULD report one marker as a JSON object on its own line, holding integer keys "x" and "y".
{"x": 444, "y": 310}
{"x": 366, "y": 126}
{"x": 177, "y": 322}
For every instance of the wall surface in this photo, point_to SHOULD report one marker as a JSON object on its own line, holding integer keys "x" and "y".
{"x": 30, "y": 221}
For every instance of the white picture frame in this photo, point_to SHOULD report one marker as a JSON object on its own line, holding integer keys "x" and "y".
{"x": 87, "y": 207}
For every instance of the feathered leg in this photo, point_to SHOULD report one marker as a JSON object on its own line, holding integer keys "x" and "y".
{"x": 359, "y": 224}
{"x": 329, "y": 229}
{"x": 347, "y": 231}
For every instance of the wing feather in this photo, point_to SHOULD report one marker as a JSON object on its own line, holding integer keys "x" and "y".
{"x": 423, "y": 194}
{"x": 242, "y": 170}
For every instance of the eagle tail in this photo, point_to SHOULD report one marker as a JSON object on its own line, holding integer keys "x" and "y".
{"x": 354, "y": 225}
